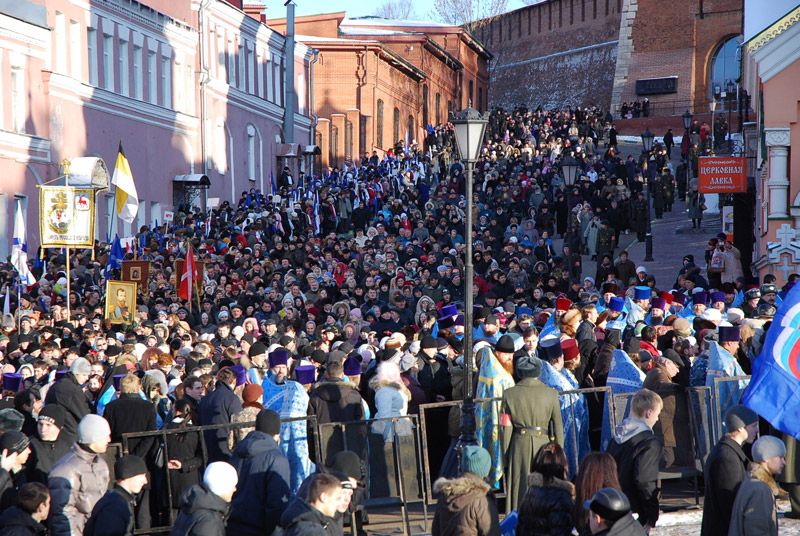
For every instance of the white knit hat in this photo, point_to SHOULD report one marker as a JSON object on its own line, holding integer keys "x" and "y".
{"x": 92, "y": 428}
{"x": 220, "y": 478}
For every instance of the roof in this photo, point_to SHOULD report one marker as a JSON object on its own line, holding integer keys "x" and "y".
{"x": 337, "y": 42}
{"x": 372, "y": 31}
{"x": 372, "y": 20}
{"x": 775, "y": 29}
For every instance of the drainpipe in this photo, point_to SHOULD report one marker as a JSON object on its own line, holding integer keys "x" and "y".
{"x": 204, "y": 80}
{"x": 314, "y": 116}
{"x": 288, "y": 84}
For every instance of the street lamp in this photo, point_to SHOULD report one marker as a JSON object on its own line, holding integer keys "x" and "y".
{"x": 712, "y": 106}
{"x": 469, "y": 126}
{"x": 729, "y": 105}
{"x": 647, "y": 145}
{"x": 687, "y": 124}
{"x": 569, "y": 168}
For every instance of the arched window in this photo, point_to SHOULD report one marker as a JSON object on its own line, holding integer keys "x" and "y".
{"x": 438, "y": 109}
{"x": 396, "y": 133}
{"x": 411, "y": 126}
{"x": 724, "y": 66}
{"x": 379, "y": 128}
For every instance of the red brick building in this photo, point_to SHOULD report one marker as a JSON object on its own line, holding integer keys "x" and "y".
{"x": 606, "y": 52}
{"x": 378, "y": 81}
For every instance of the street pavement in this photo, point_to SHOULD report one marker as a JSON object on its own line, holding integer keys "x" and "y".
{"x": 686, "y": 522}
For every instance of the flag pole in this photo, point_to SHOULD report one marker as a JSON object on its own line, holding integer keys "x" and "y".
{"x": 66, "y": 250}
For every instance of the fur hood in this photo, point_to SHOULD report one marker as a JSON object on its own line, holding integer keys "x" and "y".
{"x": 537, "y": 480}
{"x": 760, "y": 472}
{"x": 375, "y": 384}
{"x": 454, "y": 491}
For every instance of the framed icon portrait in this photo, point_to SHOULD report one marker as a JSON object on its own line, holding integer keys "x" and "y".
{"x": 120, "y": 302}
{"x": 136, "y": 271}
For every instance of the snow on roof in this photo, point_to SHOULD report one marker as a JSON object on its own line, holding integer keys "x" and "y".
{"x": 380, "y": 21}
{"x": 317, "y": 39}
{"x": 372, "y": 31}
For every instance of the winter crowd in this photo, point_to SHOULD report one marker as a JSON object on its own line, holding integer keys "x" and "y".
{"x": 329, "y": 313}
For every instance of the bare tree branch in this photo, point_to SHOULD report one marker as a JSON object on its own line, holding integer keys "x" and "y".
{"x": 395, "y": 9}
{"x": 472, "y": 14}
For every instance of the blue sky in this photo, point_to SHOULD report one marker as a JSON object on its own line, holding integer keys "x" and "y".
{"x": 355, "y": 8}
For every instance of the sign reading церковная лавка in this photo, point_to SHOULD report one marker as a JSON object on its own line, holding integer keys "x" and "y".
{"x": 722, "y": 174}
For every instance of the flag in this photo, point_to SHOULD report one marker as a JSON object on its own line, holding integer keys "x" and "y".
{"x": 774, "y": 391}
{"x": 721, "y": 364}
{"x": 19, "y": 250}
{"x": 7, "y": 303}
{"x": 189, "y": 277}
{"x": 272, "y": 182}
{"x": 114, "y": 257}
{"x": 624, "y": 377}
{"x": 126, "y": 196}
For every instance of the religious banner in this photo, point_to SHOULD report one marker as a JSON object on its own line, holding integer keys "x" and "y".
{"x": 120, "y": 302}
{"x": 722, "y": 174}
{"x": 136, "y": 271}
{"x": 66, "y": 216}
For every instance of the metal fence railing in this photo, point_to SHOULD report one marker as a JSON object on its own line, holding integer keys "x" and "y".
{"x": 163, "y": 478}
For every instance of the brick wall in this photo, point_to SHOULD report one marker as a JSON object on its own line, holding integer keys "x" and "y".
{"x": 674, "y": 42}
{"x": 554, "y": 53}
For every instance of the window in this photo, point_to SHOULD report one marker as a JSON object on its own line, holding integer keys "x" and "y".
{"x": 60, "y": 39}
{"x": 241, "y": 58}
{"x": 379, "y": 128}
{"x": 231, "y": 74}
{"x": 124, "y": 84}
{"x": 259, "y": 75}
{"x": 396, "y": 129}
{"x": 270, "y": 88}
{"x": 152, "y": 77}
{"x": 411, "y": 130}
{"x": 137, "y": 72}
{"x": 75, "y": 49}
{"x": 480, "y": 99}
{"x": 438, "y": 109}
{"x": 108, "y": 62}
{"x": 469, "y": 93}
{"x": 18, "y": 104}
{"x": 91, "y": 51}
{"x": 166, "y": 81}
{"x": 251, "y": 81}
{"x": 724, "y": 66}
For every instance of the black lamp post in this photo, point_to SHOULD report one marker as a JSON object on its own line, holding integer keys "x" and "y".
{"x": 687, "y": 124}
{"x": 731, "y": 99}
{"x": 569, "y": 167}
{"x": 647, "y": 146}
{"x": 469, "y": 127}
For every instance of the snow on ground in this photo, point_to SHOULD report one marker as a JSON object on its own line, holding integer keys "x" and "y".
{"x": 685, "y": 522}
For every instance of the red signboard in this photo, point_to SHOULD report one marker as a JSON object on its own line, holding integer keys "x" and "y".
{"x": 722, "y": 174}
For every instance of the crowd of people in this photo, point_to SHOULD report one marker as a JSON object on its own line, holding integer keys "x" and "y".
{"x": 331, "y": 311}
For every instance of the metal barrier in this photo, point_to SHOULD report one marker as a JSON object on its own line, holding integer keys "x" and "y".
{"x": 384, "y": 446}
{"x": 725, "y": 397}
{"x": 164, "y": 478}
{"x": 573, "y": 456}
{"x": 702, "y": 427}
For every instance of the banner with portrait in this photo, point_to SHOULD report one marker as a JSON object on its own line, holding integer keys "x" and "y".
{"x": 136, "y": 271}
{"x": 66, "y": 216}
{"x": 120, "y": 302}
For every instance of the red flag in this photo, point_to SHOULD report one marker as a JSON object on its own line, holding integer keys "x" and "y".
{"x": 188, "y": 278}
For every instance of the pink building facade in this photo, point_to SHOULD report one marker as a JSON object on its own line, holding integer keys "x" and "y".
{"x": 190, "y": 88}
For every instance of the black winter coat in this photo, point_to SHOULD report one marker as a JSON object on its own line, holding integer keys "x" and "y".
{"x": 185, "y": 448}
{"x": 217, "y": 408}
{"x": 69, "y": 395}
{"x": 725, "y": 470}
{"x": 338, "y": 401}
{"x": 131, "y": 413}
{"x": 638, "y": 456}
{"x": 45, "y": 454}
{"x": 624, "y": 526}
{"x": 202, "y": 513}
{"x": 112, "y": 515}
{"x": 546, "y": 509}
{"x": 15, "y": 522}
{"x": 301, "y": 519}
{"x": 263, "y": 491}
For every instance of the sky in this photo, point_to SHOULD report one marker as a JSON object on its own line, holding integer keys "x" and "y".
{"x": 356, "y": 8}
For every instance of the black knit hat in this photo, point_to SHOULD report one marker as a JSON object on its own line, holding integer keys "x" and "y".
{"x": 129, "y": 466}
{"x": 258, "y": 348}
{"x": 54, "y": 414}
{"x": 269, "y": 422}
{"x": 348, "y": 463}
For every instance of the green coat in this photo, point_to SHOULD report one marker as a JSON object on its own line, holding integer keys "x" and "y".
{"x": 529, "y": 404}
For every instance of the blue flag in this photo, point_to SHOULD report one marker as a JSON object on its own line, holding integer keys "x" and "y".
{"x": 774, "y": 391}
{"x": 115, "y": 257}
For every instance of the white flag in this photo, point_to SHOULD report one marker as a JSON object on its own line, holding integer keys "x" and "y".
{"x": 19, "y": 250}
{"x": 126, "y": 195}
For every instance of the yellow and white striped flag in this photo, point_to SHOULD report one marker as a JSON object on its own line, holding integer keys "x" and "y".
{"x": 126, "y": 196}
